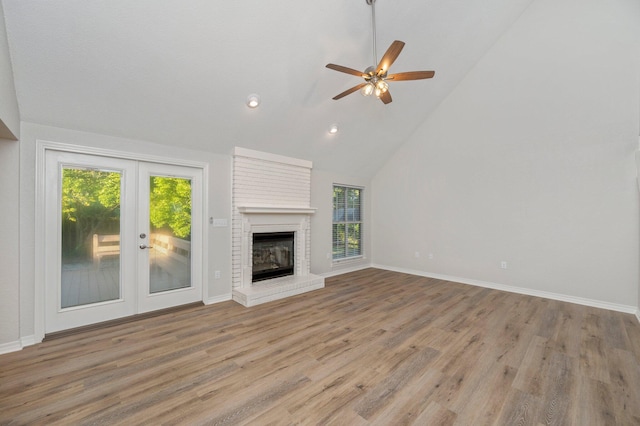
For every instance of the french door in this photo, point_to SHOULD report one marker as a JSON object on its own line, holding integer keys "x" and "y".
{"x": 121, "y": 237}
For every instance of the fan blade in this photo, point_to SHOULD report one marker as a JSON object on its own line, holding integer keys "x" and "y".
{"x": 389, "y": 57}
{"x": 411, "y": 75}
{"x": 385, "y": 97}
{"x": 347, "y": 70}
{"x": 349, "y": 91}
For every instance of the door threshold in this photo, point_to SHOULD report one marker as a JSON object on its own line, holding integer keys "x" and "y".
{"x": 118, "y": 321}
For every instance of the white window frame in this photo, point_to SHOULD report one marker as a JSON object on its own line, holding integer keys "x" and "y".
{"x": 346, "y": 223}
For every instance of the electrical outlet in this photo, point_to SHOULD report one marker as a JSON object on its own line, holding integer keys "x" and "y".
{"x": 430, "y": 255}
{"x": 328, "y": 255}
{"x": 416, "y": 254}
{"x": 217, "y": 274}
{"x": 503, "y": 264}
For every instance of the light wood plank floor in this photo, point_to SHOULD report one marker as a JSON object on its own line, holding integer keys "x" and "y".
{"x": 373, "y": 347}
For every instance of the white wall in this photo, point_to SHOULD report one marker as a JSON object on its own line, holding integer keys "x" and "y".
{"x": 529, "y": 161}
{"x": 9, "y": 114}
{"x": 638, "y": 177}
{"x": 219, "y": 199}
{"x": 9, "y": 200}
{"x": 10, "y": 242}
{"x": 321, "y": 222}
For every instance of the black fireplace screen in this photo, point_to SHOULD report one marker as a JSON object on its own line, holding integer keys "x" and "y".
{"x": 272, "y": 255}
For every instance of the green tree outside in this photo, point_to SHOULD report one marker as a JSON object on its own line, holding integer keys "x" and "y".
{"x": 170, "y": 205}
{"x": 91, "y": 204}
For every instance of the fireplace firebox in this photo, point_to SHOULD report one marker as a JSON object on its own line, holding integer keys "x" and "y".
{"x": 273, "y": 255}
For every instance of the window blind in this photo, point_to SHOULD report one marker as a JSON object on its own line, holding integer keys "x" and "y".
{"x": 347, "y": 222}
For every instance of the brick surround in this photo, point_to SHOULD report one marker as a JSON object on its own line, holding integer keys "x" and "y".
{"x": 271, "y": 193}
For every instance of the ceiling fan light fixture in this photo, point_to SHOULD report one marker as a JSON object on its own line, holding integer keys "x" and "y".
{"x": 382, "y": 85}
{"x": 253, "y": 101}
{"x": 367, "y": 90}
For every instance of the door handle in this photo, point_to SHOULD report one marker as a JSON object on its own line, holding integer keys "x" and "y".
{"x": 144, "y": 246}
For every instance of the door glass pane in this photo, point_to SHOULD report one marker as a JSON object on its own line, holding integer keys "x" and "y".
{"x": 170, "y": 233}
{"x": 90, "y": 236}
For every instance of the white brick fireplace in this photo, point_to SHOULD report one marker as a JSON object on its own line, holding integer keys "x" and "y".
{"x": 271, "y": 193}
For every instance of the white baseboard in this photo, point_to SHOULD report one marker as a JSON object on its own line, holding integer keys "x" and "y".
{"x": 346, "y": 270}
{"x": 28, "y": 340}
{"x": 638, "y": 314}
{"x": 520, "y": 290}
{"x": 5, "y": 348}
{"x": 217, "y": 299}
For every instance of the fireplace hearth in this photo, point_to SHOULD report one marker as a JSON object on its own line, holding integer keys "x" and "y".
{"x": 272, "y": 255}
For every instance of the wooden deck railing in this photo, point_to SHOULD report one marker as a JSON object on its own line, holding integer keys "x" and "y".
{"x": 168, "y": 246}
{"x": 105, "y": 245}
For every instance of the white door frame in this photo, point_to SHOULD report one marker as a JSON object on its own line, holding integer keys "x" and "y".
{"x": 57, "y": 318}
{"x": 41, "y": 147}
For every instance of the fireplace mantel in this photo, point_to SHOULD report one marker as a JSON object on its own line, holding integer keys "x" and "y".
{"x": 276, "y": 210}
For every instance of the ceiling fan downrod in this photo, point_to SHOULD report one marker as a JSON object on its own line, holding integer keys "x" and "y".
{"x": 375, "y": 83}
{"x": 372, "y": 3}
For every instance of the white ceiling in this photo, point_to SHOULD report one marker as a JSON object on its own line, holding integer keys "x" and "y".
{"x": 179, "y": 71}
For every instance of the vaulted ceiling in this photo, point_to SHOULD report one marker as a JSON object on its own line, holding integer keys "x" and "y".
{"x": 178, "y": 72}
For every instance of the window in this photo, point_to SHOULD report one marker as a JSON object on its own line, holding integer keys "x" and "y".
{"x": 347, "y": 222}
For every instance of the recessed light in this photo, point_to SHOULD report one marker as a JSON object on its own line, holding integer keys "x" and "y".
{"x": 333, "y": 129}
{"x": 253, "y": 101}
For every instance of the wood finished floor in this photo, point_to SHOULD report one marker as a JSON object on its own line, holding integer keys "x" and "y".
{"x": 373, "y": 347}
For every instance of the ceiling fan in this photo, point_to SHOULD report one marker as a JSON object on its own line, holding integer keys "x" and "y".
{"x": 376, "y": 77}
